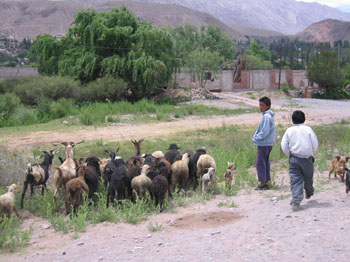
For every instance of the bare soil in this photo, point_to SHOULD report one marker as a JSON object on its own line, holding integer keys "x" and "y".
{"x": 261, "y": 227}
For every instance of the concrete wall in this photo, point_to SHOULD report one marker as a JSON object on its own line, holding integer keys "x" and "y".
{"x": 7, "y": 72}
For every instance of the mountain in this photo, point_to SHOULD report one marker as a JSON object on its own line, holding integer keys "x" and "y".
{"x": 285, "y": 16}
{"x": 329, "y": 30}
{"x": 28, "y": 18}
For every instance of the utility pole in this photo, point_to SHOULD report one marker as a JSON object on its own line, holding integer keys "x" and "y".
{"x": 279, "y": 77}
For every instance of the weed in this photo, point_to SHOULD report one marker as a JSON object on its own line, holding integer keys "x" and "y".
{"x": 12, "y": 236}
{"x": 227, "y": 204}
{"x": 154, "y": 227}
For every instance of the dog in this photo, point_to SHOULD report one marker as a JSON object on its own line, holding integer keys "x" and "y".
{"x": 229, "y": 175}
{"x": 338, "y": 166}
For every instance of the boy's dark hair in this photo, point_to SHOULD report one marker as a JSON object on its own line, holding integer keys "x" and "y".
{"x": 265, "y": 100}
{"x": 298, "y": 117}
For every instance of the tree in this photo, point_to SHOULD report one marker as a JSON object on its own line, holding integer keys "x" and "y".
{"x": 109, "y": 43}
{"x": 325, "y": 72}
{"x": 203, "y": 50}
{"x": 257, "y": 57}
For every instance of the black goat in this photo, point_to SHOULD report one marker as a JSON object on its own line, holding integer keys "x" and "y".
{"x": 119, "y": 182}
{"x": 109, "y": 167}
{"x": 92, "y": 175}
{"x": 37, "y": 174}
{"x": 192, "y": 167}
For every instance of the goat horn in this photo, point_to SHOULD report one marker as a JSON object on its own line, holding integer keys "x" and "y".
{"x": 117, "y": 150}
{"x": 106, "y": 151}
{"x": 140, "y": 141}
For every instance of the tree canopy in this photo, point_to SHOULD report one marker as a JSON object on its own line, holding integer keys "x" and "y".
{"x": 202, "y": 50}
{"x": 326, "y": 73}
{"x": 112, "y": 43}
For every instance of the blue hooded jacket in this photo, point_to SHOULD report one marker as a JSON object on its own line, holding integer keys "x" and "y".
{"x": 265, "y": 135}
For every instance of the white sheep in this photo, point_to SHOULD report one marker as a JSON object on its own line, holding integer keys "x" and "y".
{"x": 142, "y": 183}
{"x": 207, "y": 180}
{"x": 7, "y": 201}
{"x": 180, "y": 173}
{"x": 158, "y": 154}
{"x": 204, "y": 163}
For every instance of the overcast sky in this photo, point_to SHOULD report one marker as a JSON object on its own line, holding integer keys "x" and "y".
{"x": 333, "y": 3}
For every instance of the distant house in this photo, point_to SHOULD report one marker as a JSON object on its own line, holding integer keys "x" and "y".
{"x": 250, "y": 79}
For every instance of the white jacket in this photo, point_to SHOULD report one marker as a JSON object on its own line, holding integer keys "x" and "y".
{"x": 300, "y": 141}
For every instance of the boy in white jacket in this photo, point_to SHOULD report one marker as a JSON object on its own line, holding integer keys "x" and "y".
{"x": 299, "y": 142}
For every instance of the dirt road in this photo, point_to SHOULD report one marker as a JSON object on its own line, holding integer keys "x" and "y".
{"x": 317, "y": 112}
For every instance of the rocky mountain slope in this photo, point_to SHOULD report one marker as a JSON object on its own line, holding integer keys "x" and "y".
{"x": 329, "y": 30}
{"x": 285, "y": 16}
{"x": 28, "y": 18}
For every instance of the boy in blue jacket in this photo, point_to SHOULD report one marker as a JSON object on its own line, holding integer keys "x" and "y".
{"x": 264, "y": 138}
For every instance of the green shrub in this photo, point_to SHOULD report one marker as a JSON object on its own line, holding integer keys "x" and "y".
{"x": 12, "y": 236}
{"x": 103, "y": 89}
{"x": 8, "y": 104}
{"x": 34, "y": 89}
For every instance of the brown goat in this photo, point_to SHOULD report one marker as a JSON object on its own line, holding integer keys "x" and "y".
{"x": 75, "y": 189}
{"x": 137, "y": 157}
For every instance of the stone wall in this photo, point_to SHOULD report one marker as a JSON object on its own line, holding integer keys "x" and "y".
{"x": 8, "y": 72}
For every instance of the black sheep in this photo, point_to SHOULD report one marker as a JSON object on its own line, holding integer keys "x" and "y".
{"x": 159, "y": 188}
{"x": 172, "y": 153}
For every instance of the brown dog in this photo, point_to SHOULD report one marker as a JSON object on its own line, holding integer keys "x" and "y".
{"x": 338, "y": 166}
{"x": 229, "y": 175}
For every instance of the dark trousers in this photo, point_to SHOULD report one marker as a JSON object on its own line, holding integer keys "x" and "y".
{"x": 301, "y": 172}
{"x": 263, "y": 163}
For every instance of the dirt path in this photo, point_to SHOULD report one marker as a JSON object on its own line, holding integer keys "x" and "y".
{"x": 323, "y": 114}
{"x": 261, "y": 228}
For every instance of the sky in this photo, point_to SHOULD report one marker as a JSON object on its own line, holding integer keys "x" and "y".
{"x": 332, "y": 3}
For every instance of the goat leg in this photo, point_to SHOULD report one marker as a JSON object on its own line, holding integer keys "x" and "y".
{"x": 25, "y": 185}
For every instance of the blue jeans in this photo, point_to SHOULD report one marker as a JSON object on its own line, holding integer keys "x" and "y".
{"x": 263, "y": 163}
{"x": 301, "y": 172}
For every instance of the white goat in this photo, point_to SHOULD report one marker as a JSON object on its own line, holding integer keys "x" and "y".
{"x": 142, "y": 183}
{"x": 65, "y": 171}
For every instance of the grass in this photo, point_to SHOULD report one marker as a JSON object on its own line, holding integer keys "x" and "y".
{"x": 154, "y": 227}
{"x": 228, "y": 204}
{"x": 225, "y": 143}
{"x": 96, "y": 114}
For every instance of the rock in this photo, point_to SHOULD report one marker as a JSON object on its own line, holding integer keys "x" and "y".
{"x": 80, "y": 244}
{"x": 45, "y": 226}
{"x": 171, "y": 223}
{"x": 64, "y": 253}
{"x": 160, "y": 243}
{"x": 149, "y": 236}
{"x": 65, "y": 122}
{"x": 215, "y": 232}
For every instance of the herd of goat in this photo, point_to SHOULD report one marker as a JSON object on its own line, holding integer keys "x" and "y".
{"x": 157, "y": 173}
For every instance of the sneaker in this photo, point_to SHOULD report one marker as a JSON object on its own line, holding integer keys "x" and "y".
{"x": 265, "y": 187}
{"x": 308, "y": 196}
{"x": 296, "y": 207}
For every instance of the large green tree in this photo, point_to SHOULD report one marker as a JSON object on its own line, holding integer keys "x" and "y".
{"x": 326, "y": 73}
{"x": 257, "y": 57}
{"x": 109, "y": 43}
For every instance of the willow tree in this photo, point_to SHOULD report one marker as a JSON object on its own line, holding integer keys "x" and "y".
{"x": 114, "y": 43}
